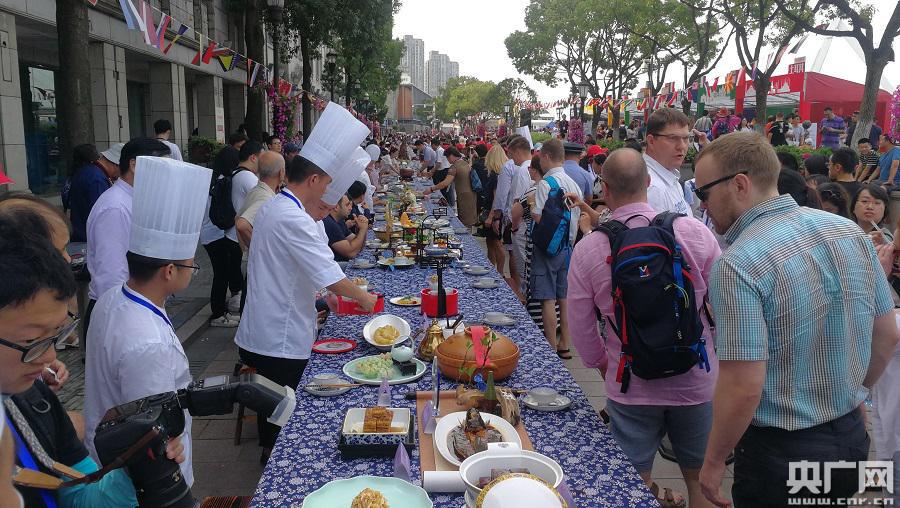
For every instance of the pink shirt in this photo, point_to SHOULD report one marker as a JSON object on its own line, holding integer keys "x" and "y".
{"x": 590, "y": 285}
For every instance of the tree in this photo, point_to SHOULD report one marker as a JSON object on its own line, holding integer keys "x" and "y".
{"x": 758, "y": 24}
{"x": 73, "y": 81}
{"x": 255, "y": 41}
{"x": 813, "y": 18}
{"x": 506, "y": 93}
{"x": 310, "y": 23}
{"x": 442, "y": 112}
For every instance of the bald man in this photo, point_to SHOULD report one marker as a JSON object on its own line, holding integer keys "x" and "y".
{"x": 679, "y": 405}
{"x": 271, "y": 177}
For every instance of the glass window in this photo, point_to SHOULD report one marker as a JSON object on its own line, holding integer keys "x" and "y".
{"x": 46, "y": 170}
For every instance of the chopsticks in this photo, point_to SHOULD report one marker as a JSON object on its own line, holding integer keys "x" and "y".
{"x": 328, "y": 387}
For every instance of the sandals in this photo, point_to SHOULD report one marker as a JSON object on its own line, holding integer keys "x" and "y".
{"x": 670, "y": 498}
{"x": 565, "y": 354}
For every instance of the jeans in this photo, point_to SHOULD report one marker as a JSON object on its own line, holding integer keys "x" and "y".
{"x": 281, "y": 371}
{"x": 225, "y": 256}
{"x": 762, "y": 457}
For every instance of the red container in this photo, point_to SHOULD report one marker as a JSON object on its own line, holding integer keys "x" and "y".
{"x": 348, "y": 306}
{"x": 430, "y": 302}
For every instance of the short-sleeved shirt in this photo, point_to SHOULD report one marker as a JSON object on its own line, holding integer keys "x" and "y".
{"x": 337, "y": 231}
{"x": 254, "y": 200}
{"x": 779, "y": 131}
{"x": 799, "y": 289}
{"x": 542, "y": 192}
{"x": 832, "y": 139}
{"x": 869, "y": 160}
{"x": 88, "y": 184}
{"x": 241, "y": 184}
{"x": 665, "y": 192}
{"x": 429, "y": 156}
{"x": 581, "y": 178}
{"x": 885, "y": 161}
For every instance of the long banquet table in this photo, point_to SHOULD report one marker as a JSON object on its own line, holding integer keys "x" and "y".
{"x": 306, "y": 455}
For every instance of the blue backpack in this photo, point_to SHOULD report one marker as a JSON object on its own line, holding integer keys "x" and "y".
{"x": 551, "y": 234}
{"x": 655, "y": 309}
{"x": 475, "y": 181}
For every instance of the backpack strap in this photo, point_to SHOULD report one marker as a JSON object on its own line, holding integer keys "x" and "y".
{"x": 611, "y": 229}
{"x": 666, "y": 220}
{"x": 554, "y": 185}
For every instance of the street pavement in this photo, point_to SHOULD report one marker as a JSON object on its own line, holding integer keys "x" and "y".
{"x": 222, "y": 468}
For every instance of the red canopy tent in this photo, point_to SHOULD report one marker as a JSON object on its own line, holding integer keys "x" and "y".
{"x": 844, "y": 97}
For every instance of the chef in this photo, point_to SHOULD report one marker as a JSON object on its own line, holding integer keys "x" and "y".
{"x": 290, "y": 260}
{"x": 132, "y": 348}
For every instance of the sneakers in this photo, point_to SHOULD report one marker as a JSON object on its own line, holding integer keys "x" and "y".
{"x": 225, "y": 321}
{"x": 234, "y": 303}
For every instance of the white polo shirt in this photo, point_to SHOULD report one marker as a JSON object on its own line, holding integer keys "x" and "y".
{"x": 289, "y": 262}
{"x": 665, "y": 192}
{"x": 542, "y": 192}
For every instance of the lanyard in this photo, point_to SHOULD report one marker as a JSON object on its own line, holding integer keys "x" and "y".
{"x": 292, "y": 198}
{"x": 140, "y": 301}
{"x": 28, "y": 462}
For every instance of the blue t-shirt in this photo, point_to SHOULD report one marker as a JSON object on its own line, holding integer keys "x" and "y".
{"x": 581, "y": 177}
{"x": 88, "y": 183}
{"x": 884, "y": 164}
{"x": 336, "y": 231}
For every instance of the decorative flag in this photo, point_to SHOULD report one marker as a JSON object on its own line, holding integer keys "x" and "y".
{"x": 132, "y": 16}
{"x": 752, "y": 72}
{"x": 640, "y": 104}
{"x": 181, "y": 31}
{"x": 161, "y": 30}
{"x": 715, "y": 85}
{"x": 780, "y": 54}
{"x": 252, "y": 70}
{"x": 284, "y": 88}
{"x": 150, "y": 37}
{"x": 226, "y": 60}
{"x": 93, "y": 3}
{"x": 671, "y": 99}
{"x": 196, "y": 59}
{"x": 695, "y": 92}
{"x": 741, "y": 90}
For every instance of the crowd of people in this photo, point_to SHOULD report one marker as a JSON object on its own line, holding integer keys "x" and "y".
{"x": 745, "y": 312}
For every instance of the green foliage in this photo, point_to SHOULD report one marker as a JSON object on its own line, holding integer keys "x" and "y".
{"x": 202, "y": 149}
{"x": 799, "y": 151}
{"x": 540, "y": 137}
{"x": 611, "y": 144}
{"x": 470, "y": 96}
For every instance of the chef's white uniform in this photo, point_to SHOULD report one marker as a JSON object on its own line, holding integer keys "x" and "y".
{"x": 132, "y": 352}
{"x": 288, "y": 263}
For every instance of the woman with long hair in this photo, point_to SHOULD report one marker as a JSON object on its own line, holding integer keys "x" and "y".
{"x": 493, "y": 226}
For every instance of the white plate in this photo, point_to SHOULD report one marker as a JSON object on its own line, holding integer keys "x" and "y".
{"x": 447, "y": 423}
{"x": 377, "y": 322}
{"x": 498, "y": 319}
{"x": 561, "y": 402}
{"x": 340, "y": 493}
{"x": 437, "y": 223}
{"x": 395, "y": 264}
{"x": 476, "y": 270}
{"x": 395, "y": 379}
{"x": 493, "y": 285}
{"x": 362, "y": 264}
{"x": 396, "y": 301}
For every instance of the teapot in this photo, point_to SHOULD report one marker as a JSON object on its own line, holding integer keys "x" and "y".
{"x": 401, "y": 352}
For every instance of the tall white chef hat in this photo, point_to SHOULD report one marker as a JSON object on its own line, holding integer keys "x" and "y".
{"x": 168, "y": 207}
{"x": 373, "y": 151}
{"x": 525, "y": 132}
{"x": 350, "y": 170}
{"x": 333, "y": 139}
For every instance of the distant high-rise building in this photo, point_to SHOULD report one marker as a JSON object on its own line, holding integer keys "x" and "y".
{"x": 412, "y": 64}
{"x": 438, "y": 69}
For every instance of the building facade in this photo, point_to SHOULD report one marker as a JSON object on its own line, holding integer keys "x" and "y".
{"x": 409, "y": 108}
{"x": 412, "y": 64}
{"x": 438, "y": 70}
{"x": 133, "y": 83}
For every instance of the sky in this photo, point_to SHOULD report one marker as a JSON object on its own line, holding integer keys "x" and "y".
{"x": 472, "y": 32}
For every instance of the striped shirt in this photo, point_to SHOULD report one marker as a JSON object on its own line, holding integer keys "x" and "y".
{"x": 799, "y": 289}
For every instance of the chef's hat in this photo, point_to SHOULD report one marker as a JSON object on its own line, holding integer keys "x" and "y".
{"x": 373, "y": 151}
{"x": 333, "y": 139}
{"x": 525, "y": 132}
{"x": 349, "y": 171}
{"x": 168, "y": 207}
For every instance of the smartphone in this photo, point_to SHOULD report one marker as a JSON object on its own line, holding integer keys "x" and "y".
{"x": 569, "y": 202}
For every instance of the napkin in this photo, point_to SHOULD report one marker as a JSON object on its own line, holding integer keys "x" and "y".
{"x": 427, "y": 416}
{"x": 478, "y": 346}
{"x": 566, "y": 494}
{"x": 443, "y": 481}
{"x": 384, "y": 393}
{"x": 401, "y": 463}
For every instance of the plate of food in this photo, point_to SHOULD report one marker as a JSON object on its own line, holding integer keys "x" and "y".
{"x": 368, "y": 492}
{"x": 363, "y": 264}
{"x": 475, "y": 270}
{"x": 386, "y": 330}
{"x": 370, "y": 369}
{"x": 398, "y": 261}
{"x": 460, "y": 435}
{"x": 406, "y": 301}
{"x": 437, "y": 223}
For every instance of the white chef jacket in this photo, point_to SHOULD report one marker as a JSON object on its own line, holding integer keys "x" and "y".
{"x": 370, "y": 189}
{"x": 665, "y": 192}
{"x": 108, "y": 236}
{"x": 175, "y": 151}
{"x": 241, "y": 184}
{"x": 886, "y": 414}
{"x": 131, "y": 353}
{"x": 289, "y": 262}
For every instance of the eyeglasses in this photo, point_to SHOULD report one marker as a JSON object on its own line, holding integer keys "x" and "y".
{"x": 37, "y": 349}
{"x": 703, "y": 192}
{"x": 674, "y": 137}
{"x": 195, "y": 268}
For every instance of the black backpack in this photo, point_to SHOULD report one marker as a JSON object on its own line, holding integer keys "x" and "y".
{"x": 221, "y": 208}
{"x": 653, "y": 300}
{"x": 551, "y": 234}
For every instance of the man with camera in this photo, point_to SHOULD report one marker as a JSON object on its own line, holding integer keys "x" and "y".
{"x": 38, "y": 284}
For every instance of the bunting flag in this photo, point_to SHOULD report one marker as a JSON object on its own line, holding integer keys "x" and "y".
{"x": 284, "y": 87}
{"x": 151, "y": 37}
{"x": 741, "y": 90}
{"x": 670, "y": 100}
{"x": 227, "y": 60}
{"x": 196, "y": 59}
{"x": 752, "y": 72}
{"x": 640, "y": 104}
{"x": 132, "y": 16}
{"x": 781, "y": 52}
{"x": 729, "y": 82}
{"x": 715, "y": 85}
{"x": 161, "y": 30}
{"x": 181, "y": 31}
{"x": 93, "y": 3}
{"x": 252, "y": 70}
{"x": 695, "y": 92}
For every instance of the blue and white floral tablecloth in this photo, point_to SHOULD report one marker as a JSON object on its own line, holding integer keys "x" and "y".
{"x": 306, "y": 456}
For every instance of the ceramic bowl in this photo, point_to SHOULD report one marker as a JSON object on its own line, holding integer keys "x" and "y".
{"x": 377, "y": 322}
{"x": 508, "y": 456}
{"x": 452, "y": 354}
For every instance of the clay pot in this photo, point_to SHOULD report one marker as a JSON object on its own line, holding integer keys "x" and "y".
{"x": 502, "y": 358}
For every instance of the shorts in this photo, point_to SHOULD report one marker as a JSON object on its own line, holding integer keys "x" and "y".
{"x": 549, "y": 275}
{"x": 640, "y": 429}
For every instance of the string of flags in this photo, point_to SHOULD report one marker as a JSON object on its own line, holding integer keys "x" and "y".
{"x": 139, "y": 15}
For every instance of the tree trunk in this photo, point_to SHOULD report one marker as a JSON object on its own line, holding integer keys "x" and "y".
{"x": 686, "y": 106}
{"x": 256, "y": 97}
{"x": 306, "y": 105}
{"x": 761, "y": 85}
{"x": 615, "y": 126}
{"x": 874, "y": 70}
{"x": 595, "y": 120}
{"x": 348, "y": 83}
{"x": 73, "y": 80}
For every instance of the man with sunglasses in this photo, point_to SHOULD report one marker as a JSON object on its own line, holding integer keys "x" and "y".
{"x": 33, "y": 318}
{"x": 133, "y": 351}
{"x": 668, "y": 138}
{"x": 802, "y": 333}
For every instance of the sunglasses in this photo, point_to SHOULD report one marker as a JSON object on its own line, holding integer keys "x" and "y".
{"x": 703, "y": 192}
{"x": 34, "y": 351}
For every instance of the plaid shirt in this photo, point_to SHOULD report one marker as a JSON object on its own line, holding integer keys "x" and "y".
{"x": 799, "y": 289}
